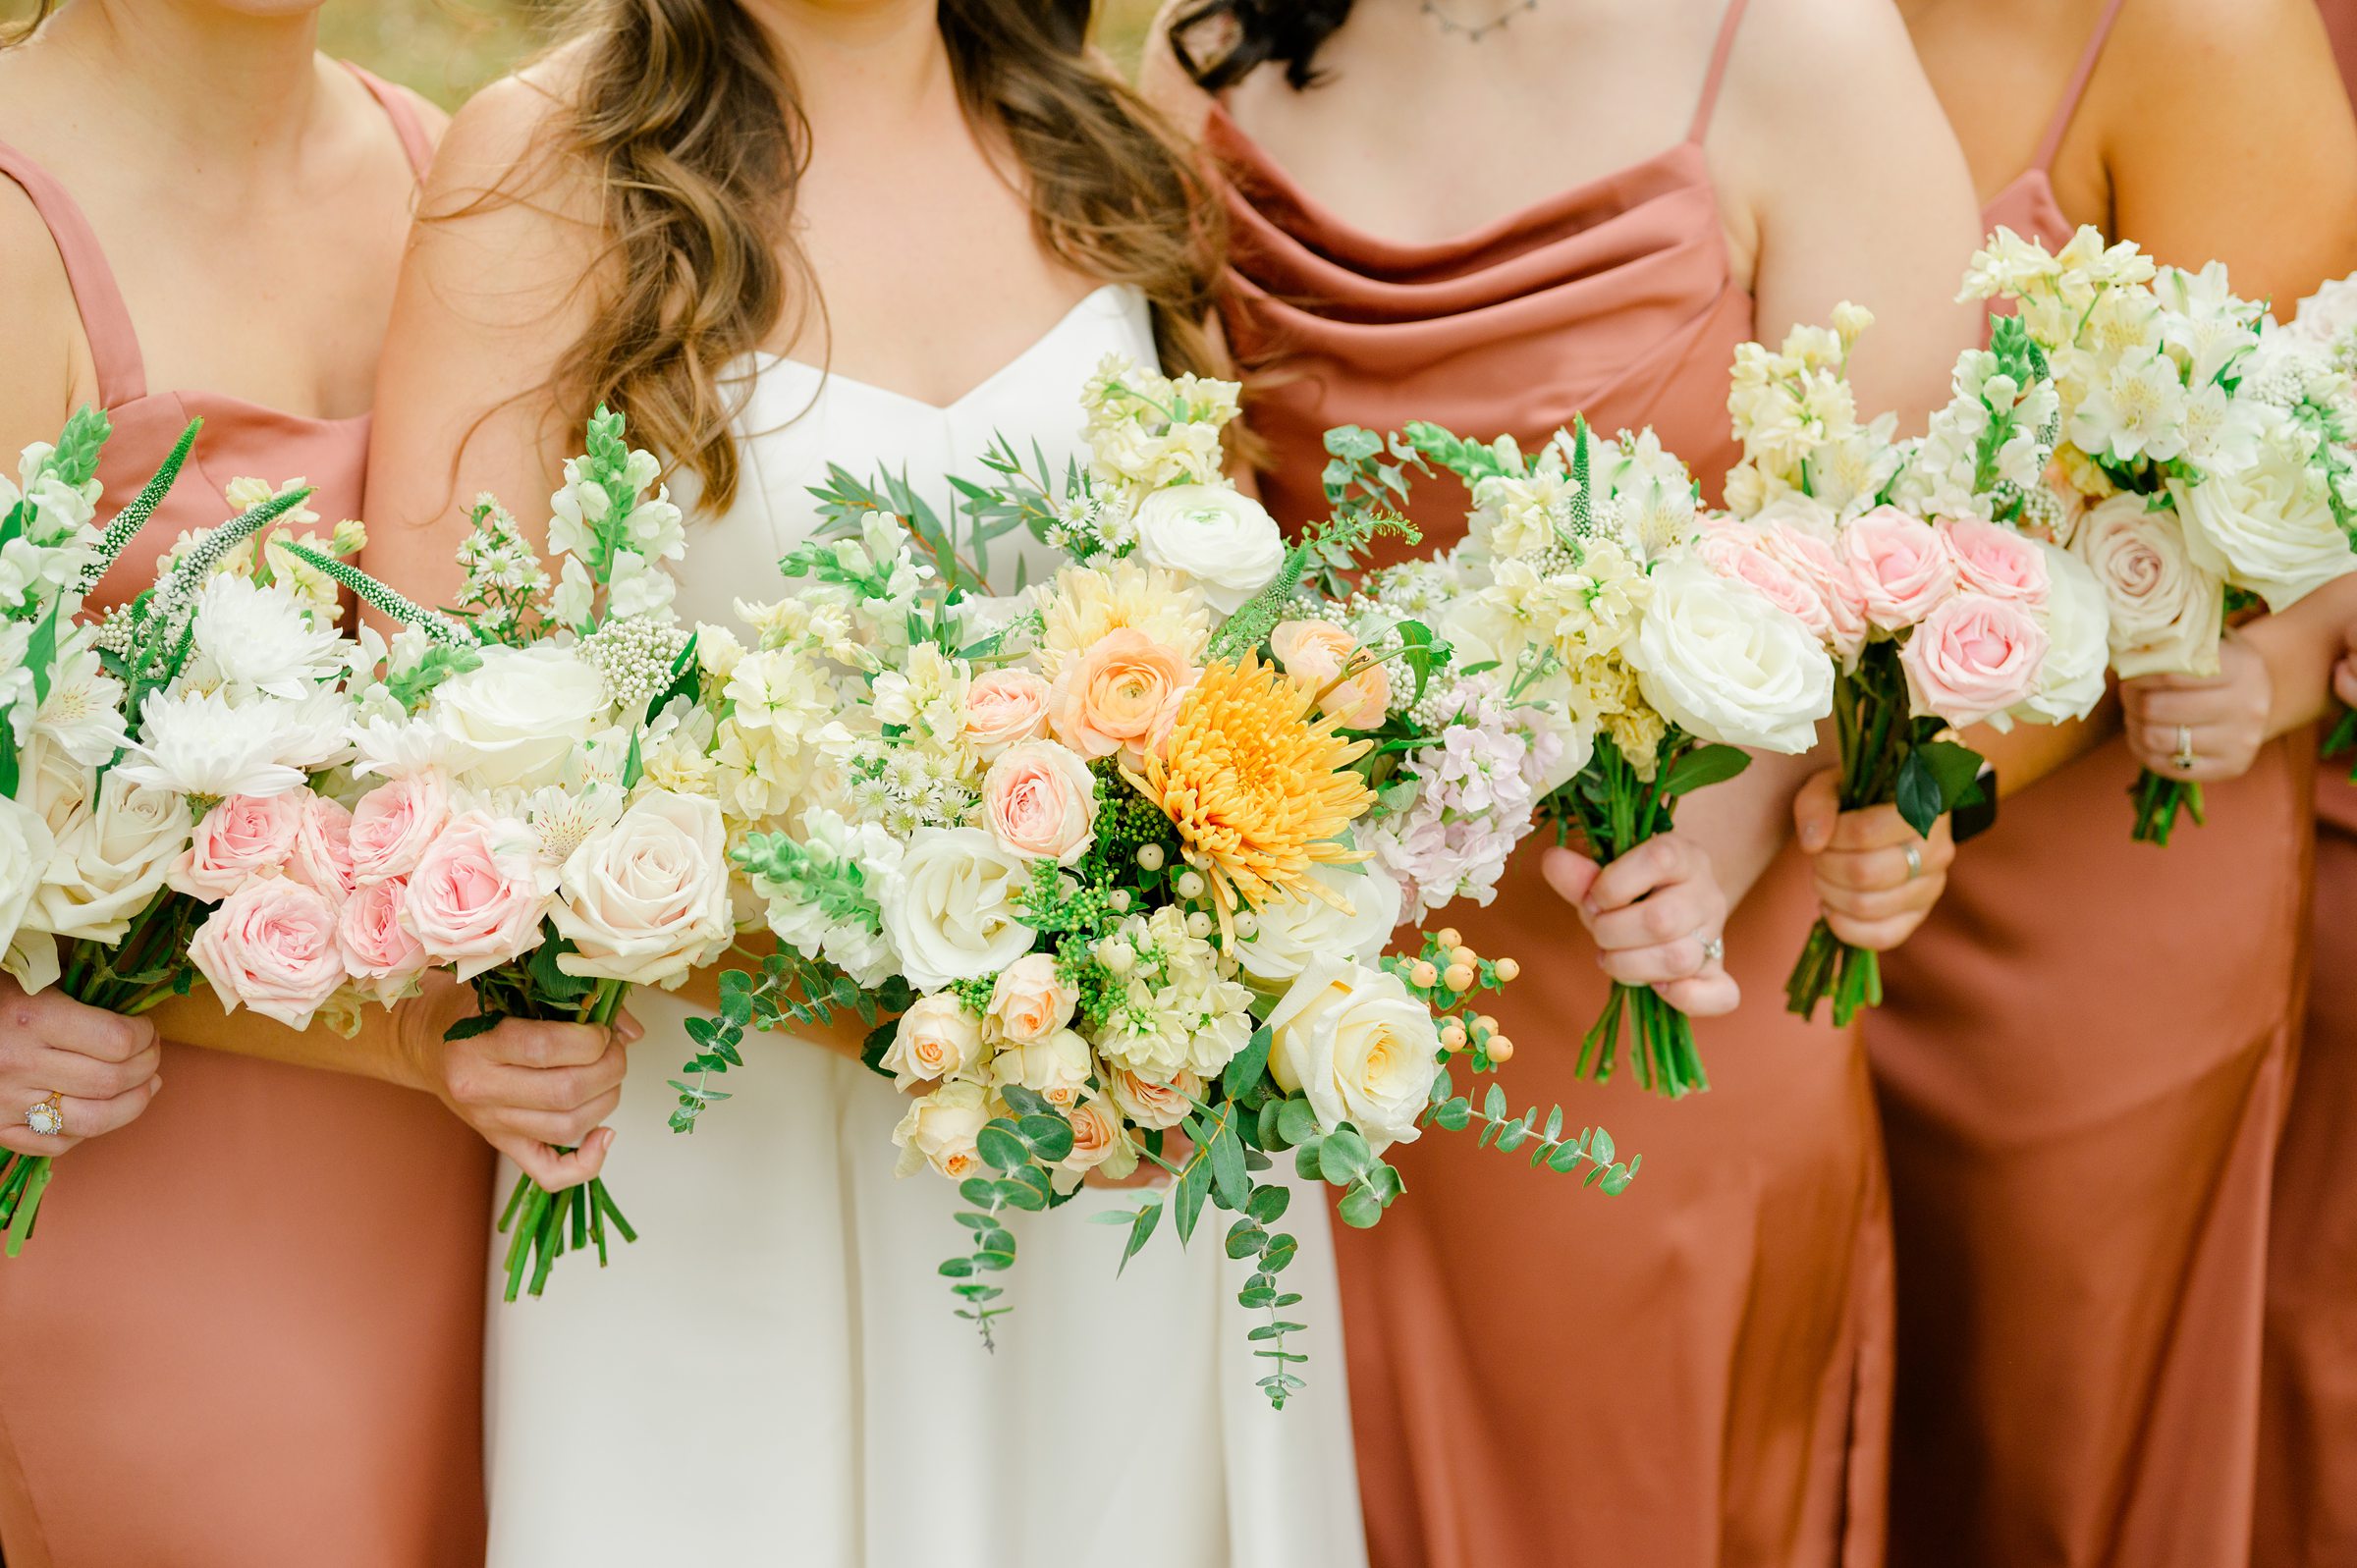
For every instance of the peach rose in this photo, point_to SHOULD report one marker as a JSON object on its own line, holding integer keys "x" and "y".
{"x": 1031, "y": 1000}
{"x": 1108, "y": 699}
{"x": 1004, "y": 708}
{"x": 322, "y": 858}
{"x": 940, "y": 1130}
{"x": 393, "y": 825}
{"x": 1099, "y": 1140}
{"x": 934, "y": 1039}
{"x": 377, "y": 947}
{"x": 1994, "y": 560}
{"x": 1041, "y": 802}
{"x": 1901, "y": 567}
{"x": 1313, "y": 653}
{"x": 476, "y": 900}
{"x": 1150, "y": 1105}
{"x": 1973, "y": 657}
{"x": 1054, "y": 1067}
{"x": 271, "y": 945}
{"x": 239, "y": 839}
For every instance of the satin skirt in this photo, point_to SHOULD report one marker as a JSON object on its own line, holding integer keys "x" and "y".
{"x": 1692, "y": 1375}
{"x": 2083, "y": 1065}
{"x": 772, "y": 1373}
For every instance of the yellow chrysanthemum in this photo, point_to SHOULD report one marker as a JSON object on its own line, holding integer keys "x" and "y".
{"x": 1087, "y": 602}
{"x": 1257, "y": 789}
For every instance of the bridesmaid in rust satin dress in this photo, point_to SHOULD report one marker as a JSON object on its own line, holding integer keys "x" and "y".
{"x": 2085, "y": 1054}
{"x": 1696, "y": 1373}
{"x": 249, "y": 1331}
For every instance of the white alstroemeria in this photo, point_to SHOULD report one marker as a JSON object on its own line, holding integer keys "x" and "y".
{"x": 83, "y": 712}
{"x": 199, "y": 743}
{"x": 261, "y": 640}
{"x": 2222, "y": 432}
{"x": 2135, "y": 410}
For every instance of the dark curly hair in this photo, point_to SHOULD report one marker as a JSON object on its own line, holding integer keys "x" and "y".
{"x": 1246, "y": 35}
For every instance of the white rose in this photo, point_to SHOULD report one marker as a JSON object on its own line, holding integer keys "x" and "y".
{"x": 1359, "y": 1045}
{"x": 951, "y": 908}
{"x": 646, "y": 899}
{"x": 110, "y": 859}
{"x": 1288, "y": 935}
{"x": 940, "y": 1130}
{"x": 2166, "y": 613}
{"x": 2268, "y": 527}
{"x": 934, "y": 1039}
{"x": 25, "y": 845}
{"x": 518, "y": 718}
{"x": 1224, "y": 541}
{"x": 1055, "y": 1068}
{"x": 1721, "y": 662}
{"x": 2078, "y": 628}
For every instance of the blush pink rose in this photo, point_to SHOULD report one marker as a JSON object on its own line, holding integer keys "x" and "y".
{"x": 1739, "y": 552}
{"x": 393, "y": 825}
{"x": 1041, "y": 801}
{"x": 1812, "y": 557}
{"x": 271, "y": 945}
{"x": 1314, "y": 653}
{"x": 1994, "y": 560}
{"x": 322, "y": 858}
{"x": 378, "y": 949}
{"x": 1107, "y": 698}
{"x": 1004, "y": 708}
{"x": 1973, "y": 657}
{"x": 239, "y": 839}
{"x": 476, "y": 900}
{"x": 1901, "y": 569}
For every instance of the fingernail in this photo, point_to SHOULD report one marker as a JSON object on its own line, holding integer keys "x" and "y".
{"x": 155, "y": 1085}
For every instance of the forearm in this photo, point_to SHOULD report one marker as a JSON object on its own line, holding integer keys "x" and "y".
{"x": 386, "y": 1047}
{"x": 2300, "y": 646}
{"x": 2029, "y": 752}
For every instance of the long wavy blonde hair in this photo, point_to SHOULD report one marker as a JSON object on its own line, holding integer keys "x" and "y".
{"x": 690, "y": 125}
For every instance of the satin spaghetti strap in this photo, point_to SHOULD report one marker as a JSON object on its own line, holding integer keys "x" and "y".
{"x": 415, "y": 142}
{"x": 105, "y": 319}
{"x": 1728, "y": 24}
{"x": 2076, "y": 87}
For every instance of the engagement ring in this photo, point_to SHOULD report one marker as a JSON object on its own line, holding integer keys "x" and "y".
{"x": 47, "y": 1117}
{"x": 1714, "y": 950}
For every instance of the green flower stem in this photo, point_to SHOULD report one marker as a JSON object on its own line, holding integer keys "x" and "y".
{"x": 541, "y": 1225}
{"x": 2158, "y": 802}
{"x": 1871, "y": 713}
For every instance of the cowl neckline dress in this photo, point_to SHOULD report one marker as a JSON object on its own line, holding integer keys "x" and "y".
{"x": 2082, "y": 1062}
{"x": 1692, "y": 1375}
{"x": 248, "y": 1332}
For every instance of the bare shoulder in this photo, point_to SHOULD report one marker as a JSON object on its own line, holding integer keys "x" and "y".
{"x": 2171, "y": 39}
{"x": 1161, "y": 77}
{"x": 40, "y": 332}
{"x": 431, "y": 117}
{"x": 1789, "y": 53}
{"x": 513, "y": 138}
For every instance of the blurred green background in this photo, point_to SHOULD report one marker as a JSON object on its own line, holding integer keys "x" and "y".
{"x": 448, "y": 48}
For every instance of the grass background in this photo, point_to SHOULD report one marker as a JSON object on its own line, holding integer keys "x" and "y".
{"x": 448, "y": 48}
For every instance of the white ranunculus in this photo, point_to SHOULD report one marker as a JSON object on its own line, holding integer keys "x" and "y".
{"x": 110, "y": 859}
{"x": 1721, "y": 662}
{"x": 2166, "y": 612}
{"x": 646, "y": 900}
{"x": 950, "y": 907}
{"x": 200, "y": 743}
{"x": 1222, "y": 540}
{"x": 1362, "y": 1049}
{"x": 2268, "y": 526}
{"x": 2078, "y": 628}
{"x": 521, "y": 715}
{"x": 1288, "y": 935}
{"x": 25, "y": 850}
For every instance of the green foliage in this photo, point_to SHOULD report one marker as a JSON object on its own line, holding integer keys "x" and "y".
{"x": 784, "y": 990}
{"x": 133, "y": 518}
{"x": 1495, "y": 1125}
{"x": 1018, "y": 1149}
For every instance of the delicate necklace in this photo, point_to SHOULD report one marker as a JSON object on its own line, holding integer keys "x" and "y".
{"x": 1475, "y": 31}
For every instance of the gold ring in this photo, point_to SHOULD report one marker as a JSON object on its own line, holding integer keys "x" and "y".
{"x": 47, "y": 1116}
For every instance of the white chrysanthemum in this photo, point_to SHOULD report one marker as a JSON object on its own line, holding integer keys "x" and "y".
{"x": 199, "y": 743}
{"x": 397, "y": 746}
{"x": 260, "y": 640}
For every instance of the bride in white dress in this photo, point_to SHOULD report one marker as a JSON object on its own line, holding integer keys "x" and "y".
{"x": 773, "y": 1372}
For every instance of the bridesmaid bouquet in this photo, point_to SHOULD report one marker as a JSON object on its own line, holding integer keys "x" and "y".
{"x": 1586, "y": 588}
{"x": 2323, "y": 334}
{"x": 533, "y": 804}
{"x": 1108, "y": 846}
{"x": 124, "y": 741}
{"x": 2201, "y": 469}
{"x": 1898, "y": 557}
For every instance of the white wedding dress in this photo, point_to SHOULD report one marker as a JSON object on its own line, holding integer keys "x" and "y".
{"x": 772, "y": 1374}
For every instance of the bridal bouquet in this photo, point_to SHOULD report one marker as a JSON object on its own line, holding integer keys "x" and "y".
{"x": 2201, "y": 467}
{"x": 532, "y": 805}
{"x": 1901, "y": 559}
{"x": 1586, "y": 589}
{"x": 122, "y": 742}
{"x": 1108, "y": 845}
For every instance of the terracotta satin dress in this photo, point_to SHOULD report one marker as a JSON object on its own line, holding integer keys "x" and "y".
{"x": 1692, "y": 1375}
{"x": 2082, "y": 1064}
{"x": 249, "y": 1331}
{"x": 2307, "y": 1514}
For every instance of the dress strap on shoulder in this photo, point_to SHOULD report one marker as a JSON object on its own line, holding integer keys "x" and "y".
{"x": 2076, "y": 90}
{"x": 415, "y": 142}
{"x": 105, "y": 319}
{"x": 1728, "y": 24}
